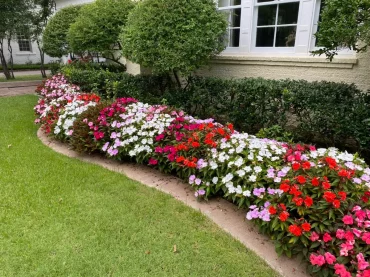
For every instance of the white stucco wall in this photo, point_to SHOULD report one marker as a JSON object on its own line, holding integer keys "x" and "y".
{"x": 64, "y": 3}
{"x": 22, "y": 57}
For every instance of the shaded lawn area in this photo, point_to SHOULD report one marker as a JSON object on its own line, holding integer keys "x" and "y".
{"x": 22, "y": 78}
{"x": 62, "y": 217}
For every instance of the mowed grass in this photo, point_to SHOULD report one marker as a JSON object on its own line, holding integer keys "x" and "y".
{"x": 62, "y": 217}
{"x": 21, "y": 78}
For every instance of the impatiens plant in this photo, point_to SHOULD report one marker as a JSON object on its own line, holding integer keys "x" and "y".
{"x": 312, "y": 202}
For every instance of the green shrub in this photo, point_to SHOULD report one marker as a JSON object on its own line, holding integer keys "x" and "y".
{"x": 55, "y": 34}
{"x": 276, "y": 132}
{"x": 98, "y": 26}
{"x": 174, "y": 35}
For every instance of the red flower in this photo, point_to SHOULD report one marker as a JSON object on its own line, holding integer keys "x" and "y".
{"x": 296, "y": 166}
{"x": 336, "y": 203}
{"x": 306, "y": 165}
{"x": 326, "y": 185}
{"x": 284, "y": 187}
{"x": 306, "y": 227}
{"x": 284, "y": 216}
{"x": 308, "y": 201}
{"x": 331, "y": 162}
{"x": 195, "y": 144}
{"x": 315, "y": 182}
{"x": 344, "y": 173}
{"x": 329, "y": 196}
{"x": 295, "y": 191}
{"x": 272, "y": 210}
{"x": 298, "y": 201}
{"x": 301, "y": 179}
{"x": 295, "y": 230}
{"x": 282, "y": 206}
{"x": 180, "y": 159}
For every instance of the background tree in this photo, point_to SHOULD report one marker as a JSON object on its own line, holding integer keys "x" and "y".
{"x": 98, "y": 26}
{"x": 41, "y": 12}
{"x": 174, "y": 36}
{"x": 55, "y": 35}
{"x": 14, "y": 18}
{"x": 343, "y": 24}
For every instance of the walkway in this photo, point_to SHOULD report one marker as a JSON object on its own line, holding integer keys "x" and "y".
{"x": 17, "y": 88}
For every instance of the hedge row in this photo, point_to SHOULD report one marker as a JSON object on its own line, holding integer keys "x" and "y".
{"x": 325, "y": 113}
{"x": 311, "y": 202}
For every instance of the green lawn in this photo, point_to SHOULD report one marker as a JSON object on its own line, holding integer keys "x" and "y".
{"x": 62, "y": 217}
{"x": 22, "y": 78}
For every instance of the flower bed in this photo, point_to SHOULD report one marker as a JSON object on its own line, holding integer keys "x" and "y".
{"x": 312, "y": 202}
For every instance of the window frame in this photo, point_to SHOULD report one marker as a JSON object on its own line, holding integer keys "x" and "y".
{"x": 21, "y": 40}
{"x": 253, "y": 47}
{"x": 229, "y": 8}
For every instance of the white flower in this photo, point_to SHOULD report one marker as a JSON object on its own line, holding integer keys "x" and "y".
{"x": 241, "y": 173}
{"x": 247, "y": 193}
{"x": 215, "y": 180}
{"x": 257, "y": 169}
{"x": 247, "y": 169}
{"x": 252, "y": 178}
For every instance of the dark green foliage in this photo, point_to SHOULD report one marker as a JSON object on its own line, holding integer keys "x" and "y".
{"x": 344, "y": 23}
{"x": 55, "y": 33}
{"x": 97, "y": 27}
{"x": 174, "y": 35}
{"x": 276, "y": 132}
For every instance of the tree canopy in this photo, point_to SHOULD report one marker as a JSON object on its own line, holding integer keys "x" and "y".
{"x": 174, "y": 35}
{"x": 343, "y": 24}
{"x": 98, "y": 25}
{"x": 55, "y": 33}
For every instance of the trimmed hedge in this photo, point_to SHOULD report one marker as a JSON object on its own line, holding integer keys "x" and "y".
{"x": 325, "y": 113}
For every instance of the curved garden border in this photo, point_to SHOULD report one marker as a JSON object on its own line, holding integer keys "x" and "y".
{"x": 223, "y": 213}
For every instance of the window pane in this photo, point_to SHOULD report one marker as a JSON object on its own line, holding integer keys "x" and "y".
{"x": 288, "y": 13}
{"x": 266, "y": 15}
{"x": 235, "y": 2}
{"x": 235, "y": 17}
{"x": 261, "y": 1}
{"x": 285, "y": 36}
{"x": 223, "y": 3}
{"x": 234, "y": 37}
{"x": 265, "y": 37}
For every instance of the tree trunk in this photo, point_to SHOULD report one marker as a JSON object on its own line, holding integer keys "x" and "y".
{"x": 3, "y": 61}
{"x": 177, "y": 78}
{"x": 42, "y": 59}
{"x": 11, "y": 61}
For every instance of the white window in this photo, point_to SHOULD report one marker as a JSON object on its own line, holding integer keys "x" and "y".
{"x": 318, "y": 9}
{"x": 24, "y": 43}
{"x": 270, "y": 26}
{"x": 232, "y": 10}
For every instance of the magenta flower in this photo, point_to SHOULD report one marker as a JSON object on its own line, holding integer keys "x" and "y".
{"x": 348, "y": 220}
{"x": 153, "y": 161}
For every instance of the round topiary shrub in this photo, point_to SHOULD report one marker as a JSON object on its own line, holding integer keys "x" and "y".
{"x": 98, "y": 26}
{"x": 174, "y": 35}
{"x": 54, "y": 37}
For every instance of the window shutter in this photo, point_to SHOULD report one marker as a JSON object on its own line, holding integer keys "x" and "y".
{"x": 304, "y": 28}
{"x": 246, "y": 25}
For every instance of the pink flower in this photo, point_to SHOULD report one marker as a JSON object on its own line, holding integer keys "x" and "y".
{"x": 340, "y": 234}
{"x": 341, "y": 270}
{"x": 366, "y": 237}
{"x": 327, "y": 237}
{"x": 349, "y": 235}
{"x": 330, "y": 259}
{"x": 153, "y": 161}
{"x": 348, "y": 220}
{"x": 361, "y": 263}
{"x": 314, "y": 236}
{"x": 357, "y": 232}
{"x": 361, "y": 215}
{"x": 318, "y": 260}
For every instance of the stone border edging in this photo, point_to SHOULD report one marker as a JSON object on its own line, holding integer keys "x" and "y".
{"x": 225, "y": 214}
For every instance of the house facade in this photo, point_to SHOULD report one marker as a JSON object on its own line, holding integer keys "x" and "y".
{"x": 24, "y": 51}
{"x": 274, "y": 39}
